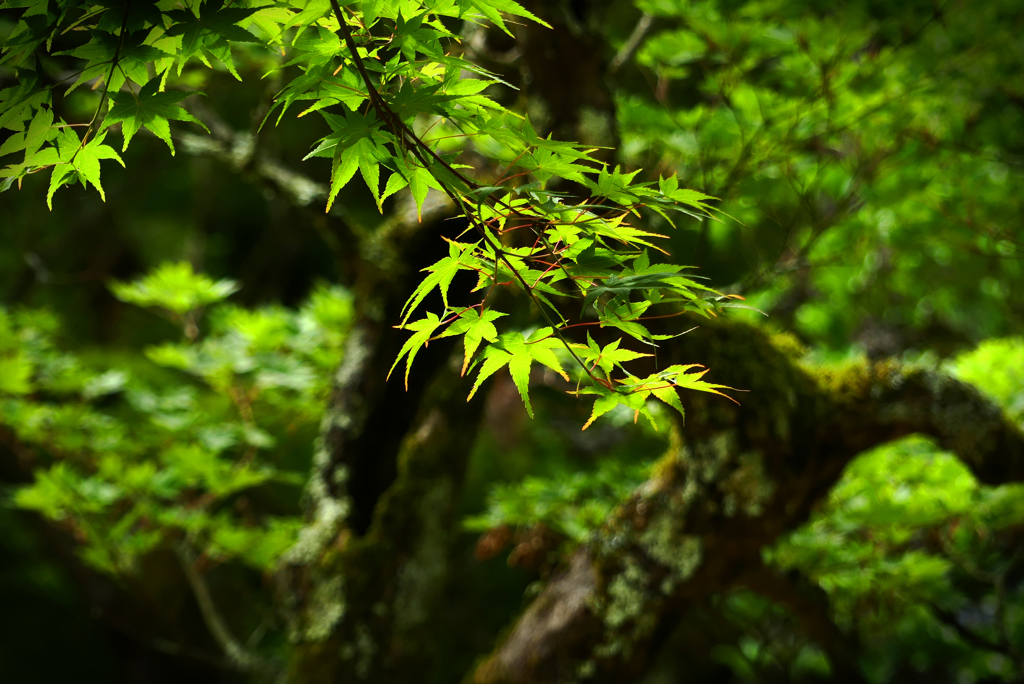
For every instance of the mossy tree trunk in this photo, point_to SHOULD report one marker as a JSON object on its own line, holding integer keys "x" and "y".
{"x": 381, "y": 501}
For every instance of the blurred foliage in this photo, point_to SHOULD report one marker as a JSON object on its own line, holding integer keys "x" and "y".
{"x": 918, "y": 556}
{"x": 997, "y": 367}
{"x": 131, "y": 459}
{"x": 868, "y": 151}
{"x": 573, "y": 505}
{"x": 551, "y": 473}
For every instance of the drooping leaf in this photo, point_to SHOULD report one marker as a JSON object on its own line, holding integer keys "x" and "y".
{"x": 150, "y": 109}
{"x": 518, "y": 352}
{"x": 423, "y": 330}
{"x": 476, "y": 327}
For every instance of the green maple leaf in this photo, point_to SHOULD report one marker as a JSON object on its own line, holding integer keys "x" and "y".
{"x": 422, "y": 329}
{"x": 39, "y": 131}
{"x": 671, "y": 196}
{"x": 17, "y": 101}
{"x": 441, "y": 275}
{"x": 342, "y": 170}
{"x": 371, "y": 10}
{"x": 420, "y": 181}
{"x": 395, "y": 183}
{"x": 215, "y": 21}
{"x": 518, "y": 352}
{"x": 605, "y": 359}
{"x": 355, "y": 145}
{"x": 476, "y": 327}
{"x": 689, "y": 377}
{"x": 132, "y": 55}
{"x": 363, "y": 156}
{"x": 614, "y": 185}
{"x": 620, "y": 288}
{"x": 411, "y": 100}
{"x": 663, "y": 386}
{"x": 492, "y": 9}
{"x": 78, "y": 162}
{"x": 151, "y": 109}
{"x": 608, "y": 399}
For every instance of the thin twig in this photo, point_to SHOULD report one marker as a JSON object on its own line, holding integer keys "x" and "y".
{"x": 242, "y": 658}
{"x": 106, "y": 84}
{"x": 632, "y": 43}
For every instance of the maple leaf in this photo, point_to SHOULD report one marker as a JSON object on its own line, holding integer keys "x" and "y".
{"x": 441, "y": 275}
{"x": 492, "y": 9}
{"x": 422, "y": 329}
{"x": 151, "y": 109}
{"x": 518, "y": 352}
{"x": 18, "y": 101}
{"x": 79, "y": 162}
{"x": 356, "y": 143}
{"x": 39, "y": 131}
{"x": 131, "y": 52}
{"x": 681, "y": 376}
{"x": 620, "y": 288}
{"x": 363, "y": 156}
{"x": 663, "y": 386}
{"x": 476, "y": 327}
{"x": 610, "y": 398}
{"x": 215, "y": 21}
{"x": 608, "y": 357}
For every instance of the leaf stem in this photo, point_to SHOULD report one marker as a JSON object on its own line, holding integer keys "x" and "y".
{"x": 106, "y": 83}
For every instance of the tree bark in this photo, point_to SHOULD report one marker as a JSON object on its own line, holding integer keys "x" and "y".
{"x": 381, "y": 500}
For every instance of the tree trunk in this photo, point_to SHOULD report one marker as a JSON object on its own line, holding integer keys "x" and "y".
{"x": 360, "y": 586}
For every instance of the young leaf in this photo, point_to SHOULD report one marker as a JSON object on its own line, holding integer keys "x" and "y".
{"x": 518, "y": 353}
{"x": 346, "y": 163}
{"x": 609, "y": 399}
{"x": 475, "y": 327}
{"x": 210, "y": 22}
{"x": 87, "y": 161}
{"x": 680, "y": 376}
{"x": 606, "y": 358}
{"x": 422, "y": 329}
{"x": 441, "y": 275}
{"x": 151, "y": 109}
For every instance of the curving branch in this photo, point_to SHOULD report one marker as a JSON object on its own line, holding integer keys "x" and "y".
{"x": 240, "y": 151}
{"x": 741, "y": 477}
{"x": 239, "y": 656}
{"x": 633, "y": 43}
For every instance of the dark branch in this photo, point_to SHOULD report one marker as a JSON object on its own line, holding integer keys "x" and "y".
{"x": 237, "y": 654}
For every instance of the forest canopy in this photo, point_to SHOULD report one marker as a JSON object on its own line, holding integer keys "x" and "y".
{"x": 478, "y": 340}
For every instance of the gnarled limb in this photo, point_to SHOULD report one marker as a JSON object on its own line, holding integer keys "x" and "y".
{"x": 743, "y": 476}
